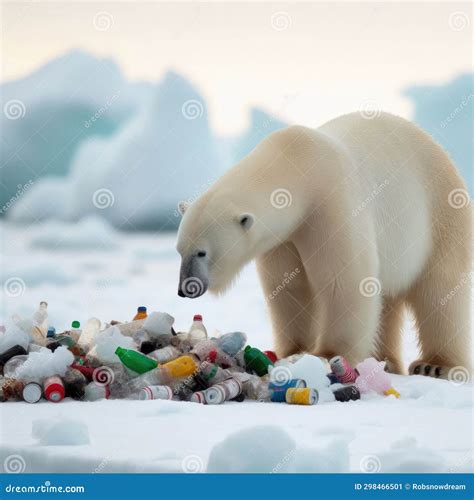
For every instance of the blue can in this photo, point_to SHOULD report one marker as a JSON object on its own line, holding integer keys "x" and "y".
{"x": 278, "y": 390}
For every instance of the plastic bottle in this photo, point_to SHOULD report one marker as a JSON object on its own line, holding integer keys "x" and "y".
{"x": 53, "y": 389}
{"x": 13, "y": 364}
{"x": 89, "y": 332}
{"x": 75, "y": 330}
{"x": 231, "y": 343}
{"x": 40, "y": 318}
{"x": 135, "y": 360}
{"x": 166, "y": 354}
{"x": 184, "y": 366}
{"x": 207, "y": 350}
{"x": 141, "y": 313}
{"x": 16, "y": 350}
{"x": 94, "y": 392}
{"x": 256, "y": 361}
{"x": 197, "y": 331}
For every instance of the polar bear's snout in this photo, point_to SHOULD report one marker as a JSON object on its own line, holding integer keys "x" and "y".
{"x": 194, "y": 276}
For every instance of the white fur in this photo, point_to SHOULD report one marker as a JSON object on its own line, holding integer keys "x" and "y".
{"x": 366, "y": 200}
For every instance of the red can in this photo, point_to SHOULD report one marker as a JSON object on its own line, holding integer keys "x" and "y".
{"x": 271, "y": 356}
{"x": 53, "y": 388}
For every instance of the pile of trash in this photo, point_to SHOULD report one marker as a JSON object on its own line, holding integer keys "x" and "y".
{"x": 147, "y": 359}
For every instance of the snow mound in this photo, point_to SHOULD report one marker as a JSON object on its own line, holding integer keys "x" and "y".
{"x": 60, "y": 431}
{"x": 91, "y": 233}
{"x": 406, "y": 456}
{"x": 270, "y": 449}
{"x": 45, "y": 363}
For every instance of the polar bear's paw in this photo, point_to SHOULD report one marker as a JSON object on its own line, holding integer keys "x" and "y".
{"x": 420, "y": 367}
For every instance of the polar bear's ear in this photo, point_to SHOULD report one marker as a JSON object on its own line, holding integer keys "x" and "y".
{"x": 246, "y": 221}
{"x": 182, "y": 207}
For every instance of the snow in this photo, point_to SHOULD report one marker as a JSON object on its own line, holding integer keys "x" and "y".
{"x": 91, "y": 233}
{"x": 427, "y": 429}
{"x": 45, "y": 363}
{"x": 60, "y": 432}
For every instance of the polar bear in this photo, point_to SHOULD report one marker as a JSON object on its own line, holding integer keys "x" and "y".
{"x": 349, "y": 224}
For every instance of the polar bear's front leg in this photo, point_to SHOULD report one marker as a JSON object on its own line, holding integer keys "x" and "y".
{"x": 351, "y": 322}
{"x": 289, "y": 300}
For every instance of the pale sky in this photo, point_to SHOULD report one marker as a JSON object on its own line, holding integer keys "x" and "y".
{"x": 305, "y": 62}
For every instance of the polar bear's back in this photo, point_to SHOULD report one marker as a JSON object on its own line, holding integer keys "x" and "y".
{"x": 403, "y": 180}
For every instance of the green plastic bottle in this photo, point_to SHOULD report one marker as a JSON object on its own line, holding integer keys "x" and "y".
{"x": 256, "y": 361}
{"x": 135, "y": 360}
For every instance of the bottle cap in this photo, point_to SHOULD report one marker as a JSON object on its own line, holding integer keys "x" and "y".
{"x": 43, "y": 303}
{"x": 197, "y": 317}
{"x": 76, "y": 324}
{"x": 141, "y": 309}
{"x": 120, "y": 350}
{"x": 51, "y": 331}
{"x": 32, "y": 392}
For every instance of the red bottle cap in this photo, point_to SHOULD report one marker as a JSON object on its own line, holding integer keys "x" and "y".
{"x": 271, "y": 356}
{"x": 197, "y": 317}
{"x": 54, "y": 389}
{"x": 212, "y": 356}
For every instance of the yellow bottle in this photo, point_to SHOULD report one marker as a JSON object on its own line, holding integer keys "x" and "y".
{"x": 184, "y": 366}
{"x": 141, "y": 313}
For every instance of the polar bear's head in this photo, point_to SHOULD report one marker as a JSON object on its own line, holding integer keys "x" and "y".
{"x": 216, "y": 238}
